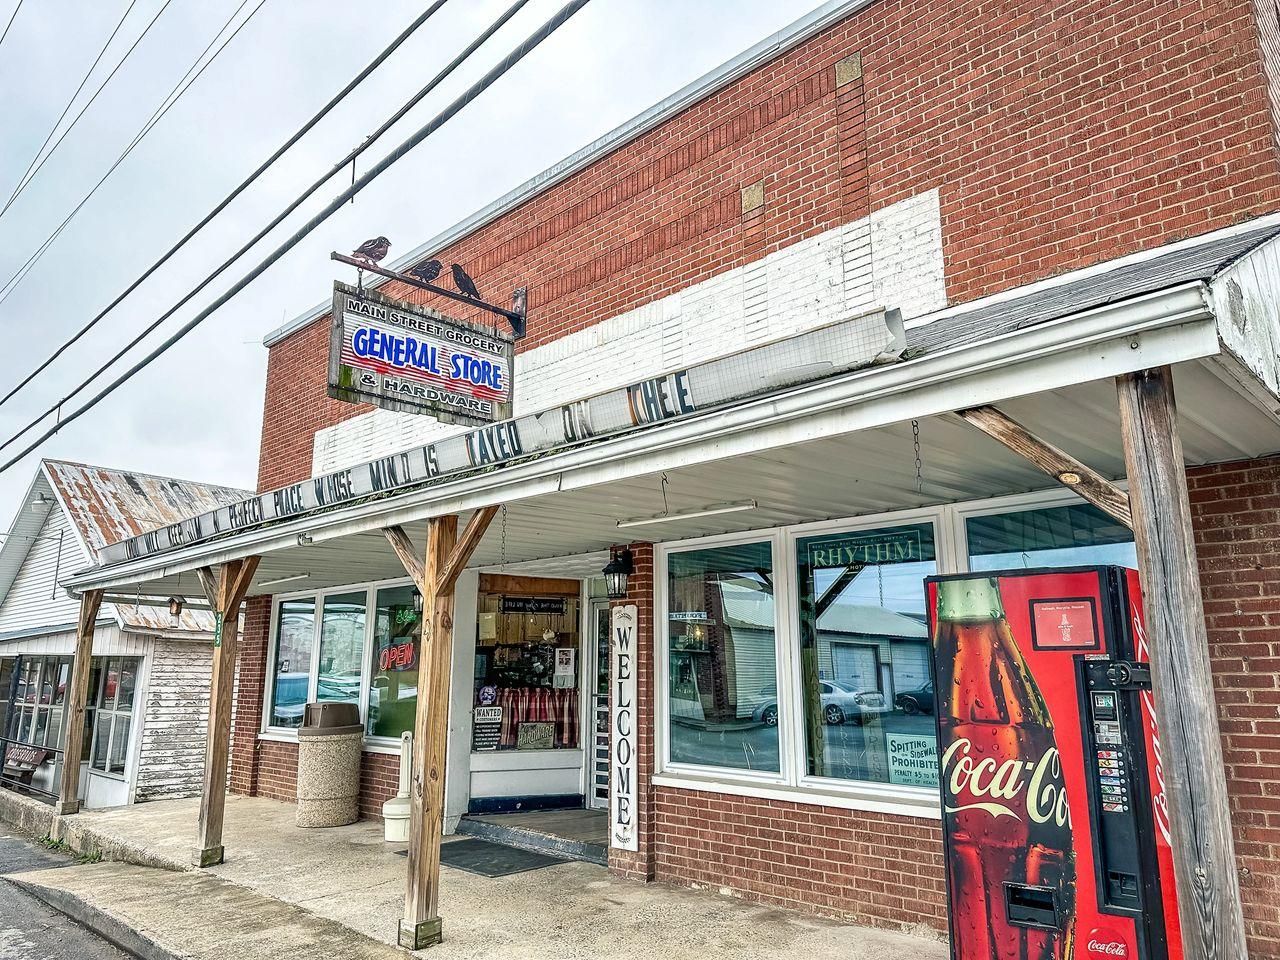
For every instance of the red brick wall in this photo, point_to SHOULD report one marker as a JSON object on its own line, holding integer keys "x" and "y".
{"x": 250, "y": 686}
{"x": 1056, "y": 139}
{"x": 1237, "y": 516}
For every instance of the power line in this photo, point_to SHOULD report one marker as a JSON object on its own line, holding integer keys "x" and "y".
{"x": 12, "y": 17}
{"x": 222, "y": 205}
{"x": 276, "y": 221}
{"x": 166, "y": 105}
{"x": 65, "y": 110}
{"x": 515, "y": 56}
{"x": 22, "y": 185}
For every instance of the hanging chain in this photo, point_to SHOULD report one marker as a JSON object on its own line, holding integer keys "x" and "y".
{"x": 666, "y": 510}
{"x": 503, "y": 555}
{"x": 915, "y": 440}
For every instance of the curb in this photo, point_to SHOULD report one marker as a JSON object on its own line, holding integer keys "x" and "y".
{"x": 131, "y": 941}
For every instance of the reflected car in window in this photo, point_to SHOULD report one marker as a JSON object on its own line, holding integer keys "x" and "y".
{"x": 840, "y": 704}
{"x": 912, "y": 702}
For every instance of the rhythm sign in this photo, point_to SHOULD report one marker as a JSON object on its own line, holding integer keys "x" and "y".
{"x": 405, "y": 357}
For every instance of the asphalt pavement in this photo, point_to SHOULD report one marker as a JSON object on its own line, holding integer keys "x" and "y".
{"x": 30, "y": 930}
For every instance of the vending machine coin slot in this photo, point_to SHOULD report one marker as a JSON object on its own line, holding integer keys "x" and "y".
{"x": 1030, "y": 906}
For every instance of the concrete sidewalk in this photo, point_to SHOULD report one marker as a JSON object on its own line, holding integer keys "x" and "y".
{"x": 348, "y": 876}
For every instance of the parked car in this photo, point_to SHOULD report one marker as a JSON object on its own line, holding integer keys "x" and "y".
{"x": 840, "y": 703}
{"x": 912, "y": 702}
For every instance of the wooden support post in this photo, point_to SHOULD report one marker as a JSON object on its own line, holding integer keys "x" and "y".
{"x": 77, "y": 701}
{"x": 1195, "y": 782}
{"x": 1063, "y": 467}
{"x": 446, "y": 557}
{"x": 226, "y": 588}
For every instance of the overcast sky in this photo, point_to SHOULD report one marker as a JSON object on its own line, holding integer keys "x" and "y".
{"x": 197, "y": 413}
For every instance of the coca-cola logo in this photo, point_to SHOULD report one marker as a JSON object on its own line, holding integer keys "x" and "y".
{"x": 1159, "y": 799}
{"x": 987, "y": 784}
{"x": 1104, "y": 943}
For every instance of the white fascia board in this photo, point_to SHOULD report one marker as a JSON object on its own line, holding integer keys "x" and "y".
{"x": 1171, "y": 326}
{"x": 771, "y": 47}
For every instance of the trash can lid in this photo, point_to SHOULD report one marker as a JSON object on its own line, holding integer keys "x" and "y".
{"x": 330, "y": 720}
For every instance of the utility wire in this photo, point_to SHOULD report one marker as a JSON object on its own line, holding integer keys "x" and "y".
{"x": 529, "y": 44}
{"x": 165, "y": 106}
{"x": 222, "y": 205}
{"x": 70, "y": 103}
{"x": 22, "y": 185}
{"x": 12, "y": 17}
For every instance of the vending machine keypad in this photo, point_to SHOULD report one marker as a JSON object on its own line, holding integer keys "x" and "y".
{"x": 1113, "y": 791}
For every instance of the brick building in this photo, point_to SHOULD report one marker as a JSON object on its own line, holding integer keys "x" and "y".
{"x": 1047, "y": 200}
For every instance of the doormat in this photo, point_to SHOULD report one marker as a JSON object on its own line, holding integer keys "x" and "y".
{"x": 488, "y": 859}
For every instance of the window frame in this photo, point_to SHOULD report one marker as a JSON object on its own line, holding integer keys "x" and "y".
{"x": 951, "y": 551}
{"x": 370, "y": 589}
{"x": 101, "y": 710}
{"x": 662, "y": 624}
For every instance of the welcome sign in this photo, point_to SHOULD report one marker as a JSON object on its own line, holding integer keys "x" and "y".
{"x": 401, "y": 356}
{"x": 677, "y": 395}
{"x": 624, "y": 728}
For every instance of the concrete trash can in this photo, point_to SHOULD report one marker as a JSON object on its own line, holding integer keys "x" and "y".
{"x": 329, "y": 743}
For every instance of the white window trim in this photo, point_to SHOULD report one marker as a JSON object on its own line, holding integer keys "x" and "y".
{"x": 792, "y": 783}
{"x": 370, "y": 587}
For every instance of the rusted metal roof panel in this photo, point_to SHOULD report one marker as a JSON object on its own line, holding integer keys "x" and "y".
{"x": 108, "y": 505}
{"x": 148, "y": 619}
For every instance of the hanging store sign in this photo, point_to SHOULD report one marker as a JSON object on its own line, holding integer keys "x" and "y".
{"x": 624, "y": 728}
{"x": 406, "y": 357}
{"x": 836, "y": 348}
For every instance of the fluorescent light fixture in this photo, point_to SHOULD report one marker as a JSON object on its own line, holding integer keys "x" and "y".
{"x": 712, "y": 511}
{"x": 289, "y": 579}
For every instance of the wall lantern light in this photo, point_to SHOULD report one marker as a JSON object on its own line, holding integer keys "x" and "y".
{"x": 175, "y": 609}
{"x": 417, "y": 601}
{"x": 616, "y": 572}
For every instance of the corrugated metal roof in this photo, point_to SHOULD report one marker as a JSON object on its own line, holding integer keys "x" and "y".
{"x": 106, "y": 505}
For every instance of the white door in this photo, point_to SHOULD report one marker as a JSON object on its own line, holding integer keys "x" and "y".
{"x": 855, "y": 666}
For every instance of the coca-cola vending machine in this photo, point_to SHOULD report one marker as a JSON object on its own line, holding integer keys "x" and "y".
{"x": 1054, "y": 812}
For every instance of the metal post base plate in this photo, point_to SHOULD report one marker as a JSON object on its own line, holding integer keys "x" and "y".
{"x": 418, "y": 936}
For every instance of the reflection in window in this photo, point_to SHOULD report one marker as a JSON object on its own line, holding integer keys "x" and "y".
{"x": 108, "y": 722}
{"x": 397, "y": 634}
{"x": 1072, "y": 535}
{"x": 528, "y": 658}
{"x": 864, "y": 655}
{"x": 295, "y": 634}
{"x": 722, "y": 664}
{"x": 341, "y": 648}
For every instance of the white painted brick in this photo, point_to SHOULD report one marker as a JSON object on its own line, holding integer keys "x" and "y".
{"x": 893, "y": 259}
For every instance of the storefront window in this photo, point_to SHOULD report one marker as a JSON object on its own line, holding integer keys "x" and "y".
{"x": 528, "y": 657}
{"x": 864, "y": 654}
{"x": 1072, "y": 535}
{"x": 393, "y": 693}
{"x": 40, "y": 700}
{"x": 341, "y": 647}
{"x": 112, "y": 716}
{"x": 722, "y": 664}
{"x": 295, "y": 634}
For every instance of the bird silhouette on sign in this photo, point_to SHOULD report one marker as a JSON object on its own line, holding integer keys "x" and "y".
{"x": 373, "y": 250}
{"x": 426, "y": 272}
{"x": 466, "y": 286}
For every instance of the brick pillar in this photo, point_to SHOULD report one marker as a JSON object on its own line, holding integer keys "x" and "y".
{"x": 639, "y": 865}
{"x": 251, "y": 679}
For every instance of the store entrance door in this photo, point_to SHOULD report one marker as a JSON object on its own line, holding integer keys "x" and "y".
{"x": 598, "y": 747}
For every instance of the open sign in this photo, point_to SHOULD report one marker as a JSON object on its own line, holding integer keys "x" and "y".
{"x": 397, "y": 656}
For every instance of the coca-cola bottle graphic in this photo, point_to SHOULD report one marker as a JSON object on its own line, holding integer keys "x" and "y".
{"x": 1002, "y": 786}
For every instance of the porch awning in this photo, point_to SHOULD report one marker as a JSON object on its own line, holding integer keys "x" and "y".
{"x": 842, "y": 445}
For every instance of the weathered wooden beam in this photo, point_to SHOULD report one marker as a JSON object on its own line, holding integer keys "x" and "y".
{"x": 467, "y": 543}
{"x": 1195, "y": 782}
{"x": 421, "y": 925}
{"x": 226, "y": 587}
{"x": 77, "y": 701}
{"x": 529, "y": 586}
{"x": 403, "y": 547}
{"x": 1066, "y": 469}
